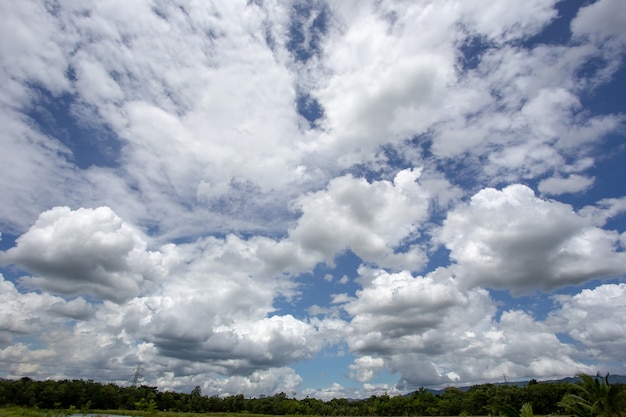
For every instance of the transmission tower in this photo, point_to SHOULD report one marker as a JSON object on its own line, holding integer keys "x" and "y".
{"x": 137, "y": 375}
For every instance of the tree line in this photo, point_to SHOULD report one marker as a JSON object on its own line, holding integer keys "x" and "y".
{"x": 485, "y": 399}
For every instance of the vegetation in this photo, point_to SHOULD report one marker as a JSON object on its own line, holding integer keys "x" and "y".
{"x": 525, "y": 411}
{"x": 592, "y": 397}
{"x": 595, "y": 397}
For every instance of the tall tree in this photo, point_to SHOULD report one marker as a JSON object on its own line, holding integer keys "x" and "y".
{"x": 596, "y": 397}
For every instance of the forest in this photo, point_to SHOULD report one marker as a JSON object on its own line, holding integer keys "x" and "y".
{"x": 591, "y": 396}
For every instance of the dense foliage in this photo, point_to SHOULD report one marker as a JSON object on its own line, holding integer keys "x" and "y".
{"x": 477, "y": 400}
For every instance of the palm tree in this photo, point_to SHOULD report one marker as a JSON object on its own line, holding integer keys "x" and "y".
{"x": 596, "y": 398}
{"x": 508, "y": 411}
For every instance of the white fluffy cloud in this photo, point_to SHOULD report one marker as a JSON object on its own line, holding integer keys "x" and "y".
{"x": 371, "y": 219}
{"x": 211, "y": 320}
{"x": 407, "y": 322}
{"x": 593, "y": 318}
{"x": 216, "y": 308}
{"x": 265, "y": 382}
{"x": 24, "y": 314}
{"x": 365, "y": 367}
{"x": 86, "y": 251}
{"x": 430, "y": 330}
{"x": 510, "y": 239}
{"x": 391, "y": 306}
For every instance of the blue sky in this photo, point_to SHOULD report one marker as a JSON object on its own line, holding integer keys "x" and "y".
{"x": 332, "y": 199}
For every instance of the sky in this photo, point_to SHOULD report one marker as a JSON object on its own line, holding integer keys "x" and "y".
{"x": 322, "y": 198}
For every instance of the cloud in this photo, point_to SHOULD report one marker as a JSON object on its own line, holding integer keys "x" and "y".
{"x": 36, "y": 48}
{"x": 371, "y": 219}
{"x": 216, "y": 308}
{"x": 572, "y": 184}
{"x": 24, "y": 360}
{"x": 431, "y": 331}
{"x": 392, "y": 305}
{"x": 360, "y": 115}
{"x": 35, "y": 172}
{"x": 517, "y": 345}
{"x": 29, "y": 313}
{"x": 165, "y": 93}
{"x": 77, "y": 309}
{"x": 409, "y": 321}
{"x": 600, "y": 20}
{"x": 510, "y": 239}
{"x": 184, "y": 96}
{"x": 592, "y": 317}
{"x": 262, "y": 382}
{"x": 335, "y": 390}
{"x": 516, "y": 110}
{"x": 507, "y": 20}
{"x": 86, "y": 251}
{"x": 236, "y": 347}
{"x": 187, "y": 341}
{"x": 365, "y": 367}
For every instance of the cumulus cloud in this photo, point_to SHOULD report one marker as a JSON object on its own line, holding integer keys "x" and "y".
{"x": 238, "y": 347}
{"x": 365, "y": 367}
{"x": 263, "y": 382}
{"x": 592, "y": 317}
{"x": 86, "y": 251}
{"x": 29, "y": 313}
{"x": 360, "y": 115}
{"x": 405, "y": 320}
{"x": 510, "y": 239}
{"x": 392, "y": 305}
{"x": 216, "y": 308}
{"x": 335, "y": 390}
{"x": 517, "y": 345}
{"x": 431, "y": 331}
{"x": 371, "y": 219}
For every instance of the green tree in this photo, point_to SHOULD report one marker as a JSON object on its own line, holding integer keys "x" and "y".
{"x": 544, "y": 396}
{"x": 166, "y": 400}
{"x": 596, "y": 397}
{"x": 237, "y": 403}
{"x": 25, "y": 392}
{"x": 452, "y": 402}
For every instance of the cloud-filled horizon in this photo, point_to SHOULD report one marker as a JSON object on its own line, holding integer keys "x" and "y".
{"x": 326, "y": 198}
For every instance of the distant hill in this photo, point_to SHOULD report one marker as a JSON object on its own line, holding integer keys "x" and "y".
{"x": 613, "y": 379}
